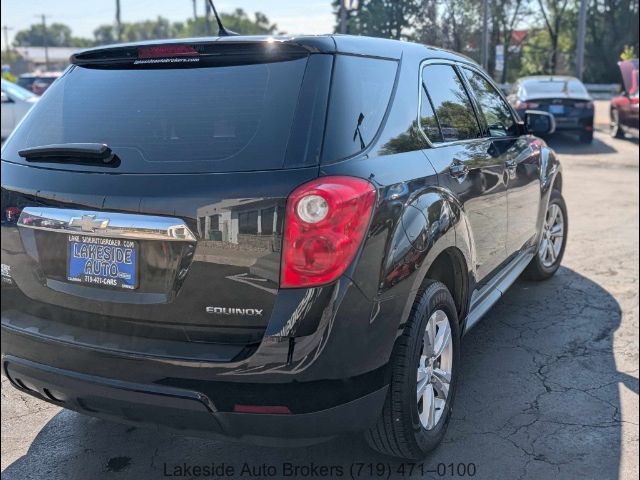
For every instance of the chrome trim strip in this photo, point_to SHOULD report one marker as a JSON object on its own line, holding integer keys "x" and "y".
{"x": 106, "y": 224}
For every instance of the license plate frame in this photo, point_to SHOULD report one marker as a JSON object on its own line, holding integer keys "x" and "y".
{"x": 103, "y": 262}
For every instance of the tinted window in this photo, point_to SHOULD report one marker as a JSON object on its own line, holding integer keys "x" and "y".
{"x": 266, "y": 221}
{"x": 495, "y": 111}
{"x": 248, "y": 222}
{"x": 213, "y": 119}
{"x": 551, "y": 87}
{"x": 451, "y": 103}
{"x": 360, "y": 94}
{"x": 428, "y": 120}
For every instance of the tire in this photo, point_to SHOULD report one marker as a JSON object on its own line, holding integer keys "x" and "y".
{"x": 586, "y": 138}
{"x": 615, "y": 130}
{"x": 539, "y": 269}
{"x": 400, "y": 431}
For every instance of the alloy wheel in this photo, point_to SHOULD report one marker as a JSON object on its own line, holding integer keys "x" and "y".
{"x": 434, "y": 369}
{"x": 552, "y": 236}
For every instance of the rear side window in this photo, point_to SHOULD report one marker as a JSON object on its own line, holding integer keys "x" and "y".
{"x": 210, "y": 119}
{"x": 450, "y": 103}
{"x": 360, "y": 92}
{"x": 495, "y": 111}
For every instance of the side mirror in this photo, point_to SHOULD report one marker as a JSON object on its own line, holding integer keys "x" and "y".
{"x": 5, "y": 98}
{"x": 539, "y": 123}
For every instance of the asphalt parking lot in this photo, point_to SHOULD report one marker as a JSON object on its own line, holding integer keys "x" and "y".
{"x": 549, "y": 378}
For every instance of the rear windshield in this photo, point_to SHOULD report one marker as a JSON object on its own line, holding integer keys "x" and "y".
{"x": 552, "y": 87}
{"x": 210, "y": 119}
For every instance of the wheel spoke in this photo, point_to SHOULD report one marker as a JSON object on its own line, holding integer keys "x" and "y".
{"x": 429, "y": 338}
{"x": 553, "y": 215}
{"x": 443, "y": 337}
{"x": 423, "y": 362}
{"x": 557, "y": 230}
{"x": 441, "y": 380}
{"x": 423, "y": 385}
{"x": 542, "y": 251}
{"x": 428, "y": 408}
{"x": 550, "y": 252}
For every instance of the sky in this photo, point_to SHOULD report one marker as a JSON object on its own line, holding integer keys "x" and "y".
{"x": 291, "y": 16}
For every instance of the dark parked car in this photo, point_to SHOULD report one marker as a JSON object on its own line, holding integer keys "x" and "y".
{"x": 288, "y": 250}
{"x": 623, "y": 112}
{"x": 564, "y": 97}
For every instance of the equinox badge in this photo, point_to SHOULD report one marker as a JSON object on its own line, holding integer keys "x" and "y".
{"x": 251, "y": 312}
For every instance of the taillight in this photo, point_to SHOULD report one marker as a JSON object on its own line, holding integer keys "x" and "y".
{"x": 584, "y": 105}
{"x": 520, "y": 105}
{"x": 12, "y": 214}
{"x": 325, "y": 223}
{"x": 166, "y": 51}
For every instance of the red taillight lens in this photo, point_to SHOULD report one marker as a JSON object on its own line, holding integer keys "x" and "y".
{"x": 12, "y": 214}
{"x": 325, "y": 223}
{"x": 527, "y": 105}
{"x": 584, "y": 105}
{"x": 166, "y": 51}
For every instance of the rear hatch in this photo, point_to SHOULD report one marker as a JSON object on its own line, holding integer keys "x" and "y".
{"x": 155, "y": 214}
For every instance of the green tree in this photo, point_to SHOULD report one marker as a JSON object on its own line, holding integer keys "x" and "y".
{"x": 555, "y": 14}
{"x": 611, "y": 25}
{"x": 628, "y": 53}
{"x": 57, "y": 35}
{"x": 237, "y": 21}
{"x": 382, "y": 18}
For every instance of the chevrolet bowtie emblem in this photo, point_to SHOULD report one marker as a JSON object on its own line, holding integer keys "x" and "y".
{"x": 89, "y": 223}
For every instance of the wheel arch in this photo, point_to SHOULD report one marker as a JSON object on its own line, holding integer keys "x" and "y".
{"x": 449, "y": 249}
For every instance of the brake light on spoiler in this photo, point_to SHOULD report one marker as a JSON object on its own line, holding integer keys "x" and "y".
{"x": 167, "y": 51}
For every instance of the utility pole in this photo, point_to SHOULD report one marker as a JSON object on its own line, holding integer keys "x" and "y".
{"x": 484, "y": 55}
{"x": 207, "y": 18}
{"x": 5, "y": 30}
{"x": 118, "y": 21}
{"x": 45, "y": 40}
{"x": 195, "y": 10}
{"x": 343, "y": 16}
{"x": 582, "y": 28}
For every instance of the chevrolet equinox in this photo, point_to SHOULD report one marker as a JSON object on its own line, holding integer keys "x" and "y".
{"x": 273, "y": 239}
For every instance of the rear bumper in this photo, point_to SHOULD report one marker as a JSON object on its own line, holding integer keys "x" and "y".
{"x": 570, "y": 123}
{"x": 185, "y": 411}
{"x": 329, "y": 383}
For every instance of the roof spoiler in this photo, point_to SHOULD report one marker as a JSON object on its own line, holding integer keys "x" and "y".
{"x": 172, "y": 54}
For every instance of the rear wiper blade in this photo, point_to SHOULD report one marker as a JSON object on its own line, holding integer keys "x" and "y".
{"x": 81, "y": 153}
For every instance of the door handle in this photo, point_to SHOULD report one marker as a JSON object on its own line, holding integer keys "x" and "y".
{"x": 458, "y": 170}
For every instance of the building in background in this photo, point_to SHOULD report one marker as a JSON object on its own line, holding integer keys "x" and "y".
{"x": 31, "y": 59}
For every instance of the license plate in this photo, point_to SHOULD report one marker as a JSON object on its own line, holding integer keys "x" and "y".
{"x": 106, "y": 262}
{"x": 556, "y": 109}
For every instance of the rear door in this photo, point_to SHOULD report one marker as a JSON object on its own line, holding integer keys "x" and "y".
{"x": 467, "y": 162}
{"x": 180, "y": 237}
{"x": 521, "y": 163}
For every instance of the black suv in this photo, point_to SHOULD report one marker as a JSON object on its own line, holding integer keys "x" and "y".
{"x": 268, "y": 238}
